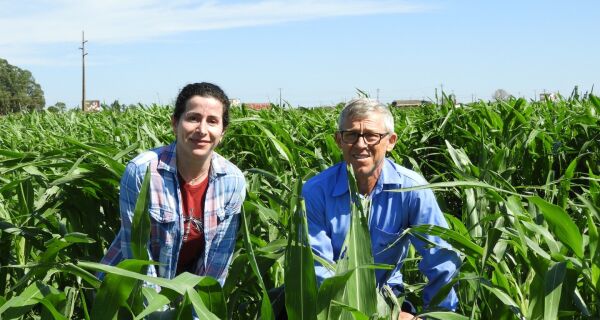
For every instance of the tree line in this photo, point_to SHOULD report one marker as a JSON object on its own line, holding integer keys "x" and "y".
{"x": 18, "y": 90}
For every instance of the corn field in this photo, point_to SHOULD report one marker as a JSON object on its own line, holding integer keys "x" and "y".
{"x": 518, "y": 181}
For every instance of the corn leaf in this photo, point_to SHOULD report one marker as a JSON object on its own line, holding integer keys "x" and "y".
{"x": 361, "y": 292}
{"x": 140, "y": 224}
{"x": 115, "y": 289}
{"x": 266, "y": 310}
{"x": 155, "y": 301}
{"x": 23, "y": 302}
{"x": 561, "y": 224}
{"x": 212, "y": 296}
{"x": 331, "y": 289}
{"x": 553, "y": 287}
{"x": 201, "y": 310}
{"x": 300, "y": 278}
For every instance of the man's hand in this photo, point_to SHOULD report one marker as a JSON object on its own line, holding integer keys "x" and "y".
{"x": 406, "y": 316}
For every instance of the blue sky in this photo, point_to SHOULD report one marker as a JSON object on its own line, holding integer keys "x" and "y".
{"x": 317, "y": 52}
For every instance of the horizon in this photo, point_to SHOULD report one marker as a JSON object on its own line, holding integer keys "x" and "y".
{"x": 311, "y": 52}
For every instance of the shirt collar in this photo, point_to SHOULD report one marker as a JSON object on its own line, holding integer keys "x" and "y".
{"x": 167, "y": 161}
{"x": 166, "y": 158}
{"x": 389, "y": 179}
{"x": 390, "y": 173}
{"x": 218, "y": 165}
{"x": 386, "y": 178}
{"x": 341, "y": 184}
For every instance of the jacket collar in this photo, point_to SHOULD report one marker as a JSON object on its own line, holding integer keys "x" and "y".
{"x": 388, "y": 177}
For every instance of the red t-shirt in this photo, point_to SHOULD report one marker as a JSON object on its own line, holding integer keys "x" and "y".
{"x": 193, "y": 226}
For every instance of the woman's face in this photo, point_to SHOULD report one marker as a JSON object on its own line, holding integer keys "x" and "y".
{"x": 199, "y": 129}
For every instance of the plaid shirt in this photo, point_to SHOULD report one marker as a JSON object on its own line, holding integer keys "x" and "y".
{"x": 224, "y": 198}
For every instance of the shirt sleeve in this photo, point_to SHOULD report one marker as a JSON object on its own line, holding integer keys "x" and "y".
{"x": 439, "y": 263}
{"x": 318, "y": 236}
{"x": 120, "y": 248}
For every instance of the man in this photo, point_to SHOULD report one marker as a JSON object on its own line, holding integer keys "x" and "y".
{"x": 365, "y": 133}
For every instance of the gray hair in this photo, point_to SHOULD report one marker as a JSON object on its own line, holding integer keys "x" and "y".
{"x": 360, "y": 108}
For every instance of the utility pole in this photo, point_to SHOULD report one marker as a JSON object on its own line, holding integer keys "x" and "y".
{"x": 83, "y": 54}
{"x": 280, "y": 97}
{"x": 377, "y": 94}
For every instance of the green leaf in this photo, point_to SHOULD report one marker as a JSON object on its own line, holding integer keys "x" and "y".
{"x": 116, "y": 168}
{"x": 356, "y": 314}
{"x": 443, "y": 292}
{"x": 84, "y": 274}
{"x": 115, "y": 289}
{"x": 460, "y": 159}
{"x": 553, "y": 245}
{"x": 266, "y": 309}
{"x": 561, "y": 224}
{"x": 505, "y": 298}
{"x": 452, "y": 184}
{"x": 580, "y": 303}
{"x": 565, "y": 183}
{"x": 331, "y": 288}
{"x": 199, "y": 307}
{"x": 491, "y": 240}
{"x": 457, "y": 240}
{"x": 14, "y": 154}
{"x": 34, "y": 171}
{"x": 24, "y": 301}
{"x": 265, "y": 214}
{"x": 595, "y": 100}
{"x": 594, "y": 238}
{"x": 553, "y": 286}
{"x": 50, "y": 307}
{"x": 140, "y": 224}
{"x": 57, "y": 244}
{"x": 179, "y": 284}
{"x": 361, "y": 288}
{"x": 212, "y": 296}
{"x": 155, "y": 301}
{"x": 283, "y": 151}
{"x": 300, "y": 278}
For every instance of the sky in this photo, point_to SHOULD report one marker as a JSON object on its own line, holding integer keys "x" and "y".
{"x": 311, "y": 52}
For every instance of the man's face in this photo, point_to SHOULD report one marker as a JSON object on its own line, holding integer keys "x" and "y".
{"x": 366, "y": 159}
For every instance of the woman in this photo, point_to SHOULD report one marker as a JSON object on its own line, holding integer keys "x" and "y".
{"x": 195, "y": 194}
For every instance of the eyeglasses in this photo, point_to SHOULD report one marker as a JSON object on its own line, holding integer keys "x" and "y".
{"x": 370, "y": 138}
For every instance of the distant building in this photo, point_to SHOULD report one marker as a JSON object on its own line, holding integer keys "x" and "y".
{"x": 548, "y": 96}
{"x": 409, "y": 103}
{"x": 257, "y": 106}
{"x": 91, "y": 106}
{"x": 235, "y": 102}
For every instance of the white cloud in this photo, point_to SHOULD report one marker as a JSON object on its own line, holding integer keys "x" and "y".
{"x": 25, "y": 23}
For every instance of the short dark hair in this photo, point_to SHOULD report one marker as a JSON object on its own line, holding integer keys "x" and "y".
{"x": 202, "y": 89}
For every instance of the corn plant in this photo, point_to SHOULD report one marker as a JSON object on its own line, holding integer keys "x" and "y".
{"x": 518, "y": 181}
